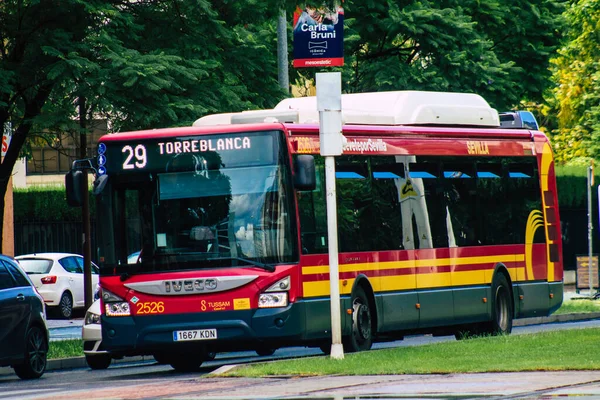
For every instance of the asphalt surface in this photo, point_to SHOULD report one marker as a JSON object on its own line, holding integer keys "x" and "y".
{"x": 522, "y": 385}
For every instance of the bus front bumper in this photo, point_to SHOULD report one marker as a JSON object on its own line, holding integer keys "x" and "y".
{"x": 235, "y": 330}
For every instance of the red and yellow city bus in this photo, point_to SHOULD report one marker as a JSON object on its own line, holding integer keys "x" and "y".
{"x": 213, "y": 237}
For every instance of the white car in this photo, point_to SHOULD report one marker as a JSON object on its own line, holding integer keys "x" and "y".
{"x": 91, "y": 333}
{"x": 58, "y": 277}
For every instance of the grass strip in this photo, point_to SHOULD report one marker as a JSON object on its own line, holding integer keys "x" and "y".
{"x": 579, "y": 306}
{"x": 575, "y": 349}
{"x": 65, "y": 349}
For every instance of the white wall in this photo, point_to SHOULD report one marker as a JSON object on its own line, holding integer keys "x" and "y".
{"x": 19, "y": 177}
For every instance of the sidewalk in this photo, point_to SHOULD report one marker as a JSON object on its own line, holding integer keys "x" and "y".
{"x": 532, "y": 385}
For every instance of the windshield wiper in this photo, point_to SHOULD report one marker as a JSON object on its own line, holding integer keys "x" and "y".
{"x": 267, "y": 267}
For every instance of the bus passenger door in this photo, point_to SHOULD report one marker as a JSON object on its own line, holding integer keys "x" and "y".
{"x": 427, "y": 235}
{"x": 465, "y": 238}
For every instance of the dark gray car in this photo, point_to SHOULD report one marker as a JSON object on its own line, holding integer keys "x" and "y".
{"x": 23, "y": 330}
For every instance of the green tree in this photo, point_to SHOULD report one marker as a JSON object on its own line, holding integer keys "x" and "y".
{"x": 575, "y": 99}
{"x": 499, "y": 49}
{"x": 138, "y": 64}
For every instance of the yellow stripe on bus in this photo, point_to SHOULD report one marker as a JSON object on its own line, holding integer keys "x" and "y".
{"x": 433, "y": 262}
{"x": 410, "y": 282}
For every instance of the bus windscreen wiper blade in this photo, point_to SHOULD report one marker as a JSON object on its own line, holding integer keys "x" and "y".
{"x": 267, "y": 267}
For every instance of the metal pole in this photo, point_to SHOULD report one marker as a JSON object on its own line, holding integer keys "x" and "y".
{"x": 329, "y": 105}
{"x": 337, "y": 350}
{"x": 282, "y": 51}
{"x": 85, "y": 212}
{"x": 589, "y": 199}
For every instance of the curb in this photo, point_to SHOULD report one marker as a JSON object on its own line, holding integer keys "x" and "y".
{"x": 556, "y": 318}
{"x": 79, "y": 362}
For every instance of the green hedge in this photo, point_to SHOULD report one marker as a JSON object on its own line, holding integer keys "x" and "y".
{"x": 46, "y": 203}
{"x": 571, "y": 182}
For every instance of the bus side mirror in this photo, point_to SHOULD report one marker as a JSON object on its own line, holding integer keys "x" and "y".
{"x": 74, "y": 187}
{"x": 305, "y": 175}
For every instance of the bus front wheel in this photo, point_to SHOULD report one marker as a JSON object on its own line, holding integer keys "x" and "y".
{"x": 361, "y": 336}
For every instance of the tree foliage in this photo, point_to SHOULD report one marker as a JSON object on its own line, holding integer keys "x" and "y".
{"x": 575, "y": 99}
{"x": 137, "y": 64}
{"x": 499, "y": 49}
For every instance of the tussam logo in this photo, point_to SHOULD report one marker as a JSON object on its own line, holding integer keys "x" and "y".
{"x": 192, "y": 285}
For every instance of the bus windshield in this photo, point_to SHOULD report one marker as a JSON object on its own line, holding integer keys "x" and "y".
{"x": 207, "y": 210}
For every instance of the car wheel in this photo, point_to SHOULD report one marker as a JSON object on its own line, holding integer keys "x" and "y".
{"x": 265, "y": 351}
{"x": 36, "y": 354}
{"x": 185, "y": 364}
{"x": 98, "y": 361}
{"x": 161, "y": 358}
{"x": 65, "y": 307}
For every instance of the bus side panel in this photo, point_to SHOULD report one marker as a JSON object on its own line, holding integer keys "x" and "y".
{"x": 399, "y": 310}
{"x": 469, "y": 305}
{"x": 551, "y": 213}
{"x": 532, "y": 299}
{"x": 434, "y": 287}
{"x": 318, "y": 317}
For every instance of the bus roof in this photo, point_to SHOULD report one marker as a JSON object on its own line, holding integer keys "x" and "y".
{"x": 377, "y": 108}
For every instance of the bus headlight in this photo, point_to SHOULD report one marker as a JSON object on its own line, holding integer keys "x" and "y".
{"x": 115, "y": 306}
{"x": 117, "y": 309}
{"x": 271, "y": 300}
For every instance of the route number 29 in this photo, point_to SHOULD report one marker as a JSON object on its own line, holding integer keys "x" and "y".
{"x": 135, "y": 158}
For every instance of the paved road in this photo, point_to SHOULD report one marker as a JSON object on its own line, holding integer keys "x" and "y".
{"x": 61, "y": 329}
{"x": 148, "y": 380}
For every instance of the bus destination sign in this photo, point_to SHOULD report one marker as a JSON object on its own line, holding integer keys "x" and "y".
{"x": 185, "y": 153}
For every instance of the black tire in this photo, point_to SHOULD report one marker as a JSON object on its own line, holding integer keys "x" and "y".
{"x": 185, "y": 363}
{"x": 98, "y": 361}
{"x": 326, "y": 347}
{"x": 361, "y": 336}
{"x": 65, "y": 306}
{"x": 266, "y": 351}
{"x": 36, "y": 355}
{"x": 161, "y": 358}
{"x": 502, "y": 307}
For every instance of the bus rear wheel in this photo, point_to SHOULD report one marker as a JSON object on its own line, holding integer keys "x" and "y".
{"x": 361, "y": 336}
{"x": 502, "y": 307}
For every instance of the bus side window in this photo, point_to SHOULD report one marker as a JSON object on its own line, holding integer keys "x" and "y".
{"x": 388, "y": 175}
{"x": 313, "y": 218}
{"x": 496, "y": 220}
{"x": 461, "y": 201}
{"x": 354, "y": 199}
{"x": 523, "y": 196}
{"x": 427, "y": 203}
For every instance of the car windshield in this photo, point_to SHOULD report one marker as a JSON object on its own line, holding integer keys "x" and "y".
{"x": 206, "y": 215}
{"x": 35, "y": 265}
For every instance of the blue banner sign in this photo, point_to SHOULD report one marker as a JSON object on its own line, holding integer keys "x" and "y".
{"x": 319, "y": 35}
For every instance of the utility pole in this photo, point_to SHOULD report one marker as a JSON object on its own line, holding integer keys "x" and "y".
{"x": 85, "y": 210}
{"x": 282, "y": 51}
{"x": 329, "y": 105}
